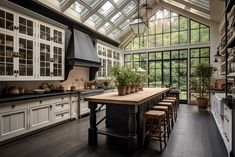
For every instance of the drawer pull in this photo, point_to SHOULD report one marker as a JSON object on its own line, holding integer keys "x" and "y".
{"x": 12, "y": 106}
{"x": 62, "y": 105}
{"x": 50, "y": 106}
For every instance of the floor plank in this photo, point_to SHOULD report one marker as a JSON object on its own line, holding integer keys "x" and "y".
{"x": 195, "y": 134}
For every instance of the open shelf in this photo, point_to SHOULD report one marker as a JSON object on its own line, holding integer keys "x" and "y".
{"x": 231, "y": 75}
{"x": 231, "y": 42}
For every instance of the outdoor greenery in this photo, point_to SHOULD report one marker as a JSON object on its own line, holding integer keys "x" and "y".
{"x": 201, "y": 82}
{"x": 168, "y": 28}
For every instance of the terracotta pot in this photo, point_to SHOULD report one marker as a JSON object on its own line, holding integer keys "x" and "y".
{"x": 141, "y": 88}
{"x": 132, "y": 88}
{"x": 121, "y": 90}
{"x": 202, "y": 102}
{"x": 128, "y": 89}
{"x": 137, "y": 88}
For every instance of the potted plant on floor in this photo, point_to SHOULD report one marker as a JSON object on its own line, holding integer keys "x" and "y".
{"x": 120, "y": 79}
{"x": 201, "y": 83}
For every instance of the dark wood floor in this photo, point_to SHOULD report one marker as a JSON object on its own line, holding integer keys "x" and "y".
{"x": 195, "y": 135}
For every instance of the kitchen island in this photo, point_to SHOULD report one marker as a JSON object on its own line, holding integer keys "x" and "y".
{"x": 124, "y": 115}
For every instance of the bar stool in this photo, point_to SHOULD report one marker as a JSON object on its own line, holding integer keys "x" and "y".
{"x": 174, "y": 106}
{"x": 171, "y": 111}
{"x": 155, "y": 126}
{"x": 174, "y": 98}
{"x": 166, "y": 110}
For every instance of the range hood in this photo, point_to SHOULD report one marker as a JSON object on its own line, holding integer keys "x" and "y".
{"x": 81, "y": 52}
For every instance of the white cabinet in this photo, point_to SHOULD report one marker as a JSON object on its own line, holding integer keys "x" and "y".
{"x": 17, "y": 46}
{"x": 74, "y": 106}
{"x": 14, "y": 121}
{"x": 29, "y": 49}
{"x": 228, "y": 127}
{"x": 108, "y": 57}
{"x": 51, "y": 52}
{"x": 20, "y": 118}
{"x": 40, "y": 116}
{"x": 84, "y": 109}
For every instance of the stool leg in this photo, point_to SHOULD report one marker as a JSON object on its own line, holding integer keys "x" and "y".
{"x": 144, "y": 125}
{"x": 164, "y": 131}
{"x": 160, "y": 138}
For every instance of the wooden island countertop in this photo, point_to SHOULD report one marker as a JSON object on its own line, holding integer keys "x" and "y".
{"x": 136, "y": 98}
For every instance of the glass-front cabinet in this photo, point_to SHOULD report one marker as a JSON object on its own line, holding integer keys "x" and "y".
{"x": 29, "y": 49}
{"x": 51, "y": 48}
{"x": 108, "y": 57}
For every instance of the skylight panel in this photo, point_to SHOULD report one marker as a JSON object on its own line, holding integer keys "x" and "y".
{"x": 91, "y": 3}
{"x": 82, "y": 10}
{"x": 95, "y": 18}
{"x": 106, "y": 26}
{"x": 129, "y": 7}
{"x": 106, "y": 9}
{"x": 118, "y": 2}
{"x": 116, "y": 32}
{"x": 116, "y": 18}
{"x": 124, "y": 25}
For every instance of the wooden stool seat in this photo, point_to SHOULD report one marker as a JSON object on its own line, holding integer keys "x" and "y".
{"x": 161, "y": 108}
{"x": 171, "y": 111}
{"x": 168, "y": 118}
{"x": 172, "y": 98}
{"x": 154, "y": 126}
{"x": 154, "y": 114}
{"x": 174, "y": 102}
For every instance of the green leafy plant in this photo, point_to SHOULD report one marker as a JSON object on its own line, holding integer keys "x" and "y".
{"x": 201, "y": 82}
{"x": 119, "y": 74}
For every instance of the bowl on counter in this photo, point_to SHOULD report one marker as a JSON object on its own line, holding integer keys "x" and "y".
{"x": 39, "y": 91}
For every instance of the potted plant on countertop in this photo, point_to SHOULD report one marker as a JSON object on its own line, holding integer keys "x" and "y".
{"x": 120, "y": 79}
{"x": 201, "y": 83}
{"x": 132, "y": 77}
{"x": 128, "y": 79}
{"x": 143, "y": 78}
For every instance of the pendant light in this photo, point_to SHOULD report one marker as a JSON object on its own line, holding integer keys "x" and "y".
{"x": 138, "y": 25}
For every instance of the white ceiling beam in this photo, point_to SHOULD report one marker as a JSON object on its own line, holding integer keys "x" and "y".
{"x": 117, "y": 9}
{"x": 92, "y": 10}
{"x": 66, "y": 4}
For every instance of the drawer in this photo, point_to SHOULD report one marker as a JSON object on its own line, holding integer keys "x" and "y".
{"x": 61, "y": 116}
{"x": 13, "y": 106}
{"x": 62, "y": 106}
{"x": 74, "y": 97}
{"x": 61, "y": 98}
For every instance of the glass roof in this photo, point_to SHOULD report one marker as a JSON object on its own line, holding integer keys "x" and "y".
{"x": 112, "y": 17}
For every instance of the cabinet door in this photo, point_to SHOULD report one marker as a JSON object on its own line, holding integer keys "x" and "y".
{"x": 84, "y": 109}
{"x": 45, "y": 32}
{"x": 13, "y": 123}
{"x": 7, "y": 21}
{"x": 26, "y": 58}
{"x": 7, "y": 56}
{"x": 58, "y": 62}
{"x": 45, "y": 60}
{"x": 57, "y": 36}
{"x": 26, "y": 26}
{"x": 40, "y": 116}
{"x": 74, "y": 109}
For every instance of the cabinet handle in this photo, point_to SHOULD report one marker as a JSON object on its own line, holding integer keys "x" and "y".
{"x": 40, "y": 101}
{"x": 50, "y": 106}
{"x": 62, "y": 115}
{"x": 12, "y": 106}
{"x": 16, "y": 27}
{"x": 62, "y": 105}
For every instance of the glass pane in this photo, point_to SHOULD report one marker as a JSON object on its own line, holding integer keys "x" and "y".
{"x": 159, "y": 41}
{"x": 90, "y": 3}
{"x": 106, "y": 9}
{"x": 174, "y": 38}
{"x": 183, "y": 37}
{"x": 159, "y": 26}
{"x": 166, "y": 39}
{"x": 136, "y": 57}
{"x": 166, "y": 55}
{"x": 95, "y": 18}
{"x": 166, "y": 25}
{"x": 127, "y": 58}
{"x": 158, "y": 55}
{"x": 152, "y": 41}
{"x": 183, "y": 23}
{"x": 195, "y": 36}
{"x": 118, "y": 2}
{"x": 194, "y": 24}
{"x": 183, "y": 53}
{"x": 116, "y": 18}
{"x": 136, "y": 43}
{"x": 79, "y": 8}
{"x": 151, "y": 28}
{"x": 106, "y": 26}
{"x": 194, "y": 53}
{"x": 152, "y": 56}
{"x": 174, "y": 24}
{"x": 129, "y": 7}
{"x": 204, "y": 35}
{"x": 124, "y": 25}
{"x": 174, "y": 54}
{"x": 205, "y": 52}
